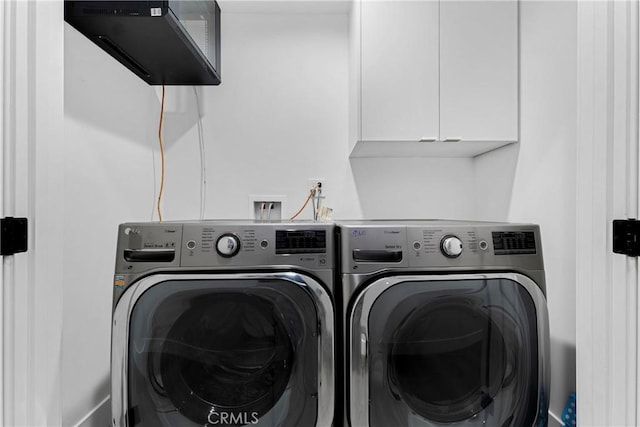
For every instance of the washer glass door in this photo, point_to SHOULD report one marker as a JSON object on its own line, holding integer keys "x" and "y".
{"x": 223, "y": 352}
{"x": 449, "y": 352}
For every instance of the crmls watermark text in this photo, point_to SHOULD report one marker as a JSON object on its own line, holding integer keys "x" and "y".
{"x": 222, "y": 418}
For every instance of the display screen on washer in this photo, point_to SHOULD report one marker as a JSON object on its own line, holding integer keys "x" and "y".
{"x": 514, "y": 243}
{"x": 223, "y": 352}
{"x": 301, "y": 242}
{"x": 450, "y": 352}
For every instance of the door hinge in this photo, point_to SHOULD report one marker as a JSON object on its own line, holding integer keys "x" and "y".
{"x": 13, "y": 235}
{"x": 626, "y": 237}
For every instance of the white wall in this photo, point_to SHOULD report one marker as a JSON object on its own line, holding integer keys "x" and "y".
{"x": 278, "y": 119}
{"x": 415, "y": 187}
{"x": 281, "y": 117}
{"x": 539, "y": 175}
{"x": 108, "y": 126}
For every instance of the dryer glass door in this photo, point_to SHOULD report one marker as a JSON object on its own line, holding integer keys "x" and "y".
{"x": 223, "y": 352}
{"x": 449, "y": 352}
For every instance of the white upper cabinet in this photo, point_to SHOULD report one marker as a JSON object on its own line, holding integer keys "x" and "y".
{"x": 399, "y": 70}
{"x": 479, "y": 70}
{"x": 439, "y": 71}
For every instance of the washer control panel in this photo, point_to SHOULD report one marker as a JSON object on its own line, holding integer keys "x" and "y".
{"x": 212, "y": 244}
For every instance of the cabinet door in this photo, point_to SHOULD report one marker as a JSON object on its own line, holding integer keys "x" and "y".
{"x": 479, "y": 70}
{"x": 399, "y": 74}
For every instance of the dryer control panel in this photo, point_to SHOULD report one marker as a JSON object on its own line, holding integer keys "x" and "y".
{"x": 370, "y": 246}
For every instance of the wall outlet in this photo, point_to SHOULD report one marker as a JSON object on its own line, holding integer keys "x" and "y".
{"x": 266, "y": 207}
{"x": 313, "y": 181}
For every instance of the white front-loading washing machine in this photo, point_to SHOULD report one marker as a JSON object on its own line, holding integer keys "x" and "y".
{"x": 223, "y": 323}
{"x": 446, "y": 324}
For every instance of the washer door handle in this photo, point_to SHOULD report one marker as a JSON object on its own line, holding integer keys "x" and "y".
{"x": 364, "y": 346}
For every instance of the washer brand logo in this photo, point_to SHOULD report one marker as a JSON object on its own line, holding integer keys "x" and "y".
{"x": 238, "y": 418}
{"x": 356, "y": 233}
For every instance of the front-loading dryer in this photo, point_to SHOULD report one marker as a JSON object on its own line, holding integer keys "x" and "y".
{"x": 446, "y": 324}
{"x": 223, "y": 323}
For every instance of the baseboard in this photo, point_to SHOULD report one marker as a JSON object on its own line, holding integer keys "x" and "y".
{"x": 100, "y": 416}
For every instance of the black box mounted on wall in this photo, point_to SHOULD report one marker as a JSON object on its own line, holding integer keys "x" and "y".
{"x": 174, "y": 42}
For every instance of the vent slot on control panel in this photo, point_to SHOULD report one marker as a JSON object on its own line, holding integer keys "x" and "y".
{"x": 376, "y": 255}
{"x": 149, "y": 255}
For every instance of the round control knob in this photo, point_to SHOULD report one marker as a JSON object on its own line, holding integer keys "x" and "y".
{"x": 228, "y": 245}
{"x": 451, "y": 246}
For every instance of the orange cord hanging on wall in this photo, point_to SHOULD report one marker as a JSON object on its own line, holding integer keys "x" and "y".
{"x": 312, "y": 192}
{"x": 161, "y": 156}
